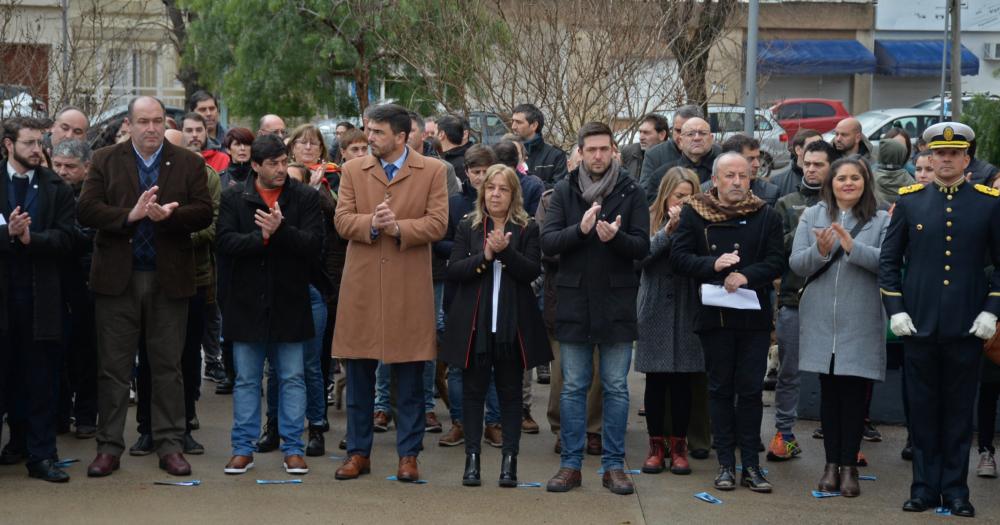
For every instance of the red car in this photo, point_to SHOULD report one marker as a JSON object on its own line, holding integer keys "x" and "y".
{"x": 820, "y": 114}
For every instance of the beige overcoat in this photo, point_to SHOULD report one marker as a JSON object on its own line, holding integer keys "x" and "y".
{"x": 386, "y": 307}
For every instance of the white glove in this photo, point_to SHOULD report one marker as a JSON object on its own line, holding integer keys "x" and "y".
{"x": 901, "y": 325}
{"x": 984, "y": 326}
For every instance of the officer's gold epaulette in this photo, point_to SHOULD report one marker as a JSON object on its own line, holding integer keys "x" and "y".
{"x": 912, "y": 188}
{"x": 992, "y": 192}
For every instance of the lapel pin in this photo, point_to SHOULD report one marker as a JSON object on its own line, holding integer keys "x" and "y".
{"x": 167, "y": 163}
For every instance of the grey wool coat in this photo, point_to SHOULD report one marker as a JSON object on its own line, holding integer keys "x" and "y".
{"x": 841, "y": 311}
{"x": 666, "y": 306}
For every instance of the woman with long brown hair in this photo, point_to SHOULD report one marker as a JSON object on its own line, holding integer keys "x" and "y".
{"x": 667, "y": 351}
{"x": 495, "y": 328}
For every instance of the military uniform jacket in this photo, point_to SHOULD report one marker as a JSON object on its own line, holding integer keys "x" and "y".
{"x": 945, "y": 236}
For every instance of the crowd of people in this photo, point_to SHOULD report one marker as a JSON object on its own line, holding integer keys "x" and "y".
{"x": 405, "y": 261}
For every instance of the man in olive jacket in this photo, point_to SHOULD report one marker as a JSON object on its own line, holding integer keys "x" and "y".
{"x": 598, "y": 225}
{"x": 145, "y": 197}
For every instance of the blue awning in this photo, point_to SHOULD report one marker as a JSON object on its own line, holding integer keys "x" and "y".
{"x": 919, "y": 58}
{"x": 814, "y": 57}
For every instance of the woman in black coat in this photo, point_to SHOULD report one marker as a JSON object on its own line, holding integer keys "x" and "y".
{"x": 494, "y": 325}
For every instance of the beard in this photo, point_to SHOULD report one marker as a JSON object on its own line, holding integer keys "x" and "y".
{"x": 27, "y": 162}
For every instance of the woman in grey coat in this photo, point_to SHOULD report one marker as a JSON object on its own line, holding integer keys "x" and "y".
{"x": 667, "y": 351}
{"x": 842, "y": 327}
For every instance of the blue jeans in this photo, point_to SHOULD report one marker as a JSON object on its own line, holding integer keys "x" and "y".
{"x": 248, "y": 359}
{"x": 577, "y": 370}
{"x": 455, "y": 389}
{"x": 313, "y": 355}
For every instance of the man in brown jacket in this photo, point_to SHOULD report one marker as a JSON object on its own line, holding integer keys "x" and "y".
{"x": 145, "y": 198}
{"x": 393, "y": 204}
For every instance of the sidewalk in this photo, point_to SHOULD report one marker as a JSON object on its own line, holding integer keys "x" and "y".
{"x": 129, "y": 495}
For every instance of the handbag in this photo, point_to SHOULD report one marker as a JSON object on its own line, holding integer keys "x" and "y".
{"x": 992, "y": 347}
{"x": 836, "y": 255}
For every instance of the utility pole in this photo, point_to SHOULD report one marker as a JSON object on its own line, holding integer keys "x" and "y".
{"x": 750, "y": 84}
{"x": 944, "y": 55}
{"x": 956, "y": 60}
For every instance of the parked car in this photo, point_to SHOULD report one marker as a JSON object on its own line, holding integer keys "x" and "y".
{"x": 934, "y": 103}
{"x": 16, "y": 101}
{"x": 820, "y": 114}
{"x": 487, "y": 127}
{"x": 725, "y": 120}
{"x": 877, "y": 122}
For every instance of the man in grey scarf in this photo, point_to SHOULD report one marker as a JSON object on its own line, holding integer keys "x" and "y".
{"x": 597, "y": 223}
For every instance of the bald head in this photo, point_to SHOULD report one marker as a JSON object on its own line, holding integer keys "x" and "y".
{"x": 70, "y": 124}
{"x": 731, "y": 177}
{"x": 272, "y": 125}
{"x": 847, "y": 136}
{"x": 696, "y": 138}
{"x": 175, "y": 137}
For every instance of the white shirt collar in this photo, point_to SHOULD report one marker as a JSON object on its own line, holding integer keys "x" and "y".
{"x": 11, "y": 172}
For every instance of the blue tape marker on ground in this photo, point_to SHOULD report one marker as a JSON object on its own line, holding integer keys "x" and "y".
{"x": 529, "y": 484}
{"x": 600, "y": 471}
{"x": 942, "y": 511}
{"x": 708, "y": 498}
{"x": 818, "y": 494}
{"x": 337, "y": 458}
{"x": 192, "y": 483}
{"x": 278, "y": 481}
{"x": 66, "y": 462}
{"x": 867, "y": 478}
{"x": 417, "y": 482}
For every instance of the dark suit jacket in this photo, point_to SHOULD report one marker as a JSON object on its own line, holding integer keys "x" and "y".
{"x": 110, "y": 191}
{"x": 52, "y": 230}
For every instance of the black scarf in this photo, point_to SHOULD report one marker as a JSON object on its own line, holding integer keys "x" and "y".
{"x": 502, "y": 345}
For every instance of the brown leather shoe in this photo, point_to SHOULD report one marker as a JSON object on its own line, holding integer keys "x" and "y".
{"x": 238, "y": 465}
{"x": 175, "y": 464}
{"x": 103, "y": 465}
{"x": 381, "y": 421}
{"x": 830, "y": 482}
{"x": 565, "y": 480}
{"x": 617, "y": 482}
{"x": 594, "y": 447}
{"x": 493, "y": 435}
{"x": 454, "y": 437}
{"x": 408, "y": 469}
{"x": 353, "y": 467}
{"x": 431, "y": 423}
{"x": 849, "y": 486}
{"x": 295, "y": 464}
{"x": 528, "y": 425}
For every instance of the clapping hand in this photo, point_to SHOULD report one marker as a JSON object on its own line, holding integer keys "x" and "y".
{"x": 824, "y": 240}
{"x": 675, "y": 219}
{"x": 384, "y": 217}
{"x": 607, "y": 230}
{"x": 726, "y": 260}
{"x": 19, "y": 226}
{"x": 157, "y": 213}
{"x": 497, "y": 242}
{"x": 846, "y": 241}
{"x": 141, "y": 208}
{"x": 589, "y": 218}
{"x": 268, "y": 221}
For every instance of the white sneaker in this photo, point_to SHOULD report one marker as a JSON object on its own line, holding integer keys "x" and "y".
{"x": 236, "y": 465}
{"x": 987, "y": 465}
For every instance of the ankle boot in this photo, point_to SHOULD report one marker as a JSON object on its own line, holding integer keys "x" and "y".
{"x": 849, "y": 486}
{"x": 508, "y": 471}
{"x": 471, "y": 476}
{"x": 678, "y": 456}
{"x": 830, "y": 482}
{"x": 269, "y": 438}
{"x": 655, "y": 463}
{"x": 317, "y": 444}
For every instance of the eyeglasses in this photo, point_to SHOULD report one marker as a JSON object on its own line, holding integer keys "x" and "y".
{"x": 306, "y": 143}
{"x": 32, "y": 143}
{"x": 690, "y": 134}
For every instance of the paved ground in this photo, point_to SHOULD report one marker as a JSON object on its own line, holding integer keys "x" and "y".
{"x": 129, "y": 496}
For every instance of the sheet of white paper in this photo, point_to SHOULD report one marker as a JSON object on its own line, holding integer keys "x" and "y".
{"x": 741, "y": 299}
{"x": 2, "y": 220}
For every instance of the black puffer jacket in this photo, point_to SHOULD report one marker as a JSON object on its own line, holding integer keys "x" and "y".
{"x": 596, "y": 286}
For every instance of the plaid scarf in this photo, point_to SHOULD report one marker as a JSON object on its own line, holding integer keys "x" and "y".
{"x": 712, "y": 209}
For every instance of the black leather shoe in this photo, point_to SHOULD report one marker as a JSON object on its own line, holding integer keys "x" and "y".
{"x": 46, "y": 470}
{"x": 907, "y": 453}
{"x": 470, "y": 478}
{"x": 343, "y": 444}
{"x": 269, "y": 439}
{"x": 191, "y": 446}
{"x": 224, "y": 387}
{"x": 726, "y": 479}
{"x": 193, "y": 423}
{"x": 12, "y": 455}
{"x": 317, "y": 444}
{"x": 753, "y": 479}
{"x": 143, "y": 446}
{"x": 508, "y": 471}
{"x": 962, "y": 507}
{"x": 915, "y": 505}
{"x": 698, "y": 453}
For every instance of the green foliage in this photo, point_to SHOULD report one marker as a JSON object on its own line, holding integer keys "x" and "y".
{"x": 983, "y": 115}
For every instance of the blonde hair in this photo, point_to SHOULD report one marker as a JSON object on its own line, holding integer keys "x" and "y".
{"x": 515, "y": 213}
{"x": 671, "y": 179}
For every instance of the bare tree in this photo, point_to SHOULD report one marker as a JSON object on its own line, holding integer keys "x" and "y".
{"x": 701, "y": 23}
{"x": 178, "y": 29}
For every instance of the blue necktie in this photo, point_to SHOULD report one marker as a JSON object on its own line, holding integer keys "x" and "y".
{"x": 390, "y": 171}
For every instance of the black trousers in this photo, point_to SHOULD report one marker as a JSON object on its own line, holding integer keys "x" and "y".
{"x": 190, "y": 367}
{"x": 78, "y": 383}
{"x": 987, "y": 415}
{"x": 941, "y": 384}
{"x": 508, "y": 376}
{"x": 736, "y": 361}
{"x": 658, "y": 385}
{"x": 32, "y": 371}
{"x": 842, "y": 414}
